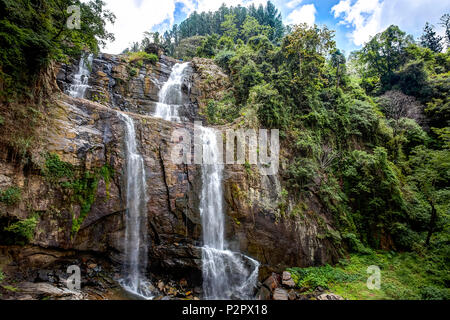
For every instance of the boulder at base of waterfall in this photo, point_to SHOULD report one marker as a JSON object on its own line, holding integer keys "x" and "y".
{"x": 263, "y": 294}
{"x": 329, "y": 296}
{"x": 43, "y": 289}
{"x": 280, "y": 294}
{"x": 287, "y": 280}
{"x": 292, "y": 295}
{"x": 272, "y": 282}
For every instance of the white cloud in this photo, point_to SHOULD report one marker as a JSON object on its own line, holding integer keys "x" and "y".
{"x": 293, "y": 3}
{"x": 304, "y": 14}
{"x": 133, "y": 18}
{"x": 369, "y": 17}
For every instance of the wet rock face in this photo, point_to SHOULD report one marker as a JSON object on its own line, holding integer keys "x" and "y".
{"x": 256, "y": 226}
{"x": 89, "y": 135}
{"x": 131, "y": 87}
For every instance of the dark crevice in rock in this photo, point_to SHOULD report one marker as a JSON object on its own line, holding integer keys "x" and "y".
{"x": 156, "y": 238}
{"x": 163, "y": 168}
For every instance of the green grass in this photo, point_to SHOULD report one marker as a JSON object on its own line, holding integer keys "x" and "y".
{"x": 141, "y": 56}
{"x": 404, "y": 276}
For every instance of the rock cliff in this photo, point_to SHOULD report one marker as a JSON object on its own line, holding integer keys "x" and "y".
{"x": 88, "y": 137}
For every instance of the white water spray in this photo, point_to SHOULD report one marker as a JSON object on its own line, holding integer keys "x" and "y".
{"x": 134, "y": 279}
{"x": 170, "y": 96}
{"x": 80, "y": 80}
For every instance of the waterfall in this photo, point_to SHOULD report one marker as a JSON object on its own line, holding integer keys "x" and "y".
{"x": 226, "y": 274}
{"x": 80, "y": 80}
{"x": 170, "y": 96}
{"x": 135, "y": 264}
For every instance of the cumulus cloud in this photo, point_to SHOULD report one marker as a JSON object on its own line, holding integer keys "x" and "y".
{"x": 293, "y": 3}
{"x": 304, "y": 14}
{"x": 369, "y": 17}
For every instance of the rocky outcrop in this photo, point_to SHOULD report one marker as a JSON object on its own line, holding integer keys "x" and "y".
{"x": 277, "y": 287}
{"x": 132, "y": 86}
{"x": 209, "y": 82}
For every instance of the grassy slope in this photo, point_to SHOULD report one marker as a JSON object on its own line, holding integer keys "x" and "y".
{"x": 403, "y": 276}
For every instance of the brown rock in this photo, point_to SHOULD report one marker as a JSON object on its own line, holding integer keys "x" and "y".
{"x": 280, "y": 294}
{"x": 287, "y": 280}
{"x": 292, "y": 295}
{"x": 183, "y": 282}
{"x": 329, "y": 296}
{"x": 160, "y": 286}
{"x": 272, "y": 282}
{"x": 263, "y": 294}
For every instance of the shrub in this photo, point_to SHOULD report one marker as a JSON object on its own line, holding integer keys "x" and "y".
{"x": 24, "y": 228}
{"x": 223, "y": 58}
{"x": 55, "y": 169}
{"x": 11, "y": 195}
{"x": 311, "y": 278}
{"x": 141, "y": 56}
{"x": 434, "y": 293}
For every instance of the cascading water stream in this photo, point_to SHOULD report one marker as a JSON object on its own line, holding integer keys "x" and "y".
{"x": 80, "y": 80}
{"x": 170, "y": 96}
{"x": 226, "y": 274}
{"x": 133, "y": 279}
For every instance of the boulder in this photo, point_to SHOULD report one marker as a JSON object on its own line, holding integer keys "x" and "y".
{"x": 43, "y": 289}
{"x": 263, "y": 294}
{"x": 280, "y": 294}
{"x": 329, "y": 296}
{"x": 292, "y": 295}
{"x": 272, "y": 282}
{"x": 287, "y": 280}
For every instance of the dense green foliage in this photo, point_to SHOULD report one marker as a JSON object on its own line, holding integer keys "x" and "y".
{"x": 24, "y": 228}
{"x": 32, "y": 33}
{"x": 403, "y": 276}
{"x": 368, "y": 136}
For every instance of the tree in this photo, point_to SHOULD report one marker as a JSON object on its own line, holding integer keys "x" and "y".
{"x": 430, "y": 39}
{"x": 32, "y": 33}
{"x": 208, "y": 47}
{"x": 445, "y": 22}
{"x": 269, "y": 105}
{"x": 305, "y": 50}
{"x": 229, "y": 27}
{"x": 338, "y": 63}
{"x": 384, "y": 54}
{"x": 430, "y": 175}
{"x": 397, "y": 105}
{"x": 251, "y": 28}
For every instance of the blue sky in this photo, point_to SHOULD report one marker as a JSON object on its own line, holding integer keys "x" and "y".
{"x": 355, "y": 21}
